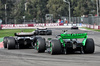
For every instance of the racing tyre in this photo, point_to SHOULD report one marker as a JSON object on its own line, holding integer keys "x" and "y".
{"x": 11, "y": 43}
{"x": 40, "y": 45}
{"x": 5, "y": 42}
{"x": 36, "y": 32}
{"x": 89, "y": 46}
{"x": 49, "y": 32}
{"x": 55, "y": 47}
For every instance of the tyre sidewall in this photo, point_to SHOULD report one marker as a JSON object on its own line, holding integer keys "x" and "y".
{"x": 56, "y": 47}
{"x": 41, "y": 45}
{"x": 49, "y": 32}
{"x": 89, "y": 46}
{"x": 5, "y": 41}
{"x": 11, "y": 43}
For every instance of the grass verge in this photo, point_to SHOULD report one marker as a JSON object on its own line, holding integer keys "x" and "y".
{"x": 10, "y": 32}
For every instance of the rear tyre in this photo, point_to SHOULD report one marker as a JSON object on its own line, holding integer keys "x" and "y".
{"x": 55, "y": 47}
{"x": 40, "y": 45}
{"x": 5, "y": 42}
{"x": 11, "y": 43}
{"x": 36, "y": 32}
{"x": 89, "y": 46}
{"x": 49, "y": 32}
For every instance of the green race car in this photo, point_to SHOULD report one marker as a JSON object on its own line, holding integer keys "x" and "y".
{"x": 67, "y": 43}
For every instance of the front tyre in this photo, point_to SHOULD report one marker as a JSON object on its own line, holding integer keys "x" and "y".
{"x": 40, "y": 45}
{"x": 89, "y": 46}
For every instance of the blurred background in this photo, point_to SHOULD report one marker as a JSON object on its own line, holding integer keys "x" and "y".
{"x": 49, "y": 11}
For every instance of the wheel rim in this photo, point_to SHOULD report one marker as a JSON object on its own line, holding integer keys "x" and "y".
{"x": 50, "y": 48}
{"x": 7, "y": 46}
{"x": 37, "y": 47}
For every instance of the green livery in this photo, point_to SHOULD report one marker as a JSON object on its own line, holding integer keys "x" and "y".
{"x": 67, "y": 43}
{"x": 73, "y": 36}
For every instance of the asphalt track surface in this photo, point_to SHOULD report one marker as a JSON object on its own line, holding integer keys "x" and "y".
{"x": 30, "y": 57}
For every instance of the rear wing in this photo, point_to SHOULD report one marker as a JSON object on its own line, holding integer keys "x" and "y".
{"x": 41, "y": 28}
{"x": 22, "y": 34}
{"x": 74, "y": 36}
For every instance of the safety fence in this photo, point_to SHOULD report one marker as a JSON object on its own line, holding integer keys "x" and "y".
{"x": 91, "y": 26}
{"x": 5, "y": 26}
{"x": 48, "y": 25}
{"x": 92, "y": 20}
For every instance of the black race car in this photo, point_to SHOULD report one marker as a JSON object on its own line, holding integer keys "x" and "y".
{"x": 21, "y": 40}
{"x": 43, "y": 31}
{"x": 74, "y": 27}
